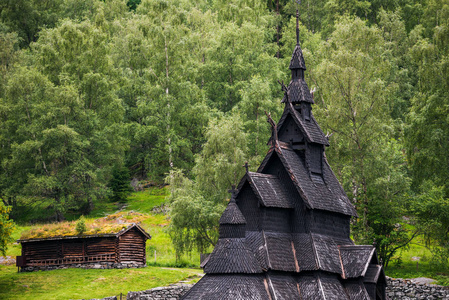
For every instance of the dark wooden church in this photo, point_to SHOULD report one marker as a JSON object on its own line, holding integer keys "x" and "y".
{"x": 285, "y": 233}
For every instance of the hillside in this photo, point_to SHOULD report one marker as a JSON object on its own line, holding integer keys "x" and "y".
{"x": 163, "y": 267}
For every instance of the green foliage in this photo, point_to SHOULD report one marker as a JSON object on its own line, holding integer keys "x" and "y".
{"x": 120, "y": 184}
{"x": 6, "y": 228}
{"x": 194, "y": 220}
{"x": 80, "y": 227}
{"x": 196, "y": 205}
{"x": 220, "y": 163}
{"x": 431, "y": 209}
{"x": 132, "y": 4}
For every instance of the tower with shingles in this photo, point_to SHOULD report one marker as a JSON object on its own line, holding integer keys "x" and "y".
{"x": 286, "y": 231}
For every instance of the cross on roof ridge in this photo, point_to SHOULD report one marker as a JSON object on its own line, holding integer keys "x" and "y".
{"x": 233, "y": 192}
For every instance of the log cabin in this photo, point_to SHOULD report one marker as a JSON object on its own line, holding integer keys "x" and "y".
{"x": 124, "y": 248}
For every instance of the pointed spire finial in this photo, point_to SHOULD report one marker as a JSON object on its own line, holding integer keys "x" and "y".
{"x": 297, "y": 27}
{"x": 246, "y": 165}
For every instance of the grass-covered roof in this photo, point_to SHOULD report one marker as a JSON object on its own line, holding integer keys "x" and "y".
{"x": 111, "y": 224}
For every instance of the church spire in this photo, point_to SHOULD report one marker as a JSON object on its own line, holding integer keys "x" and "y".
{"x": 297, "y": 61}
{"x": 298, "y": 91}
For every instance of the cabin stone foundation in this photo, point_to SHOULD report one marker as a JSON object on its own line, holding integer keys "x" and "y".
{"x": 96, "y": 265}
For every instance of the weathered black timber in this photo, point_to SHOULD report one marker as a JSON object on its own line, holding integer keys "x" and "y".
{"x": 125, "y": 246}
{"x": 285, "y": 233}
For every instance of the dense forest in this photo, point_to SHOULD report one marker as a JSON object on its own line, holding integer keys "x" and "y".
{"x": 96, "y": 92}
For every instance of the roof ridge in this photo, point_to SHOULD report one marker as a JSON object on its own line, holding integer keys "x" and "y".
{"x": 259, "y": 174}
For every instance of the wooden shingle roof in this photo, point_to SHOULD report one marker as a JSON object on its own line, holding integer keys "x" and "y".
{"x": 283, "y": 287}
{"x": 269, "y": 190}
{"x": 373, "y": 273}
{"x": 269, "y": 286}
{"x": 298, "y": 91}
{"x": 232, "y": 215}
{"x": 327, "y": 195}
{"x": 297, "y": 252}
{"x": 355, "y": 259}
{"x": 231, "y": 255}
{"x": 225, "y": 287}
{"x": 355, "y": 290}
{"x": 297, "y": 61}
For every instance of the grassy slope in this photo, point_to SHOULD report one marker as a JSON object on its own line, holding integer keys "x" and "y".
{"x": 79, "y": 283}
{"x": 406, "y": 266}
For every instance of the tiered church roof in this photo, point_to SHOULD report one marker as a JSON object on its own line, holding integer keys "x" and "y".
{"x": 285, "y": 233}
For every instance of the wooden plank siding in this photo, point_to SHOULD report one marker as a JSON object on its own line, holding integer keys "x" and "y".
{"x": 132, "y": 247}
{"x": 127, "y": 246}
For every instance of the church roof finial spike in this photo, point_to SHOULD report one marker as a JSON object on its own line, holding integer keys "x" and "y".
{"x": 297, "y": 27}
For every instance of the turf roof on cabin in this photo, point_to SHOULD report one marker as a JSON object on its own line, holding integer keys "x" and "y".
{"x": 109, "y": 225}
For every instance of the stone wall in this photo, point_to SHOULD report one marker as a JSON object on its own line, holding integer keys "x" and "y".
{"x": 405, "y": 289}
{"x": 93, "y": 265}
{"x": 172, "y": 292}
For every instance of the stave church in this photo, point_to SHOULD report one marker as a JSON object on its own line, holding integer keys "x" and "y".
{"x": 285, "y": 233}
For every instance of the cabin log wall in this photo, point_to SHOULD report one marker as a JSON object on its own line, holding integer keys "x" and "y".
{"x": 125, "y": 249}
{"x": 132, "y": 247}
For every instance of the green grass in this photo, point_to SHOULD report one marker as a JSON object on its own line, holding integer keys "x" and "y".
{"x": 14, "y": 249}
{"x": 145, "y": 201}
{"x": 404, "y": 264}
{"x": 80, "y": 283}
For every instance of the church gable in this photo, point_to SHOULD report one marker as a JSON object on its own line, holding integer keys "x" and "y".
{"x": 290, "y": 132}
{"x": 305, "y": 122}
